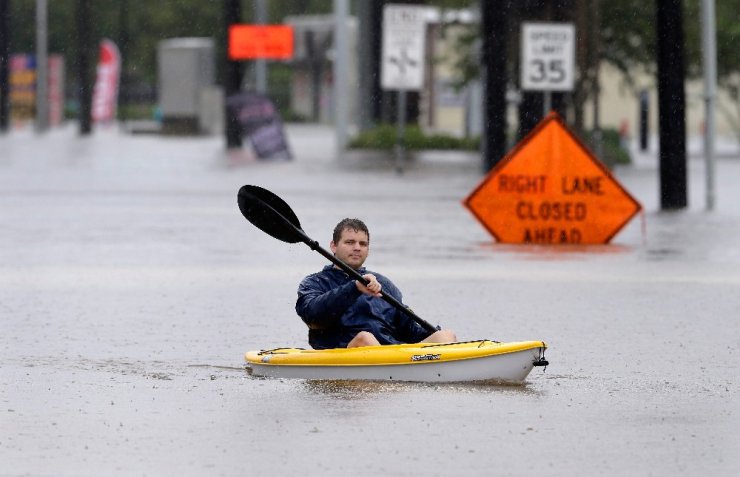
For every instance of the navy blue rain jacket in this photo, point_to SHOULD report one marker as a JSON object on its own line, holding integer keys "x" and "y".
{"x": 335, "y": 311}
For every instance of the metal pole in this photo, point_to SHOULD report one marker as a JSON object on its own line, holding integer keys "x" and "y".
{"x": 42, "y": 67}
{"x": 84, "y": 77}
{"x": 260, "y": 65}
{"x": 341, "y": 55}
{"x": 596, "y": 52}
{"x": 4, "y": 65}
{"x": 123, "y": 39}
{"x": 546, "y": 103}
{"x": 401, "y": 126}
{"x": 232, "y": 77}
{"x": 709, "y": 47}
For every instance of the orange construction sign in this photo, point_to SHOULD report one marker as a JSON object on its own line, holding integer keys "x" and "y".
{"x": 248, "y": 42}
{"x": 550, "y": 189}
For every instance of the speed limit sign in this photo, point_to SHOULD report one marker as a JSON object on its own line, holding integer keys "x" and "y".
{"x": 548, "y": 54}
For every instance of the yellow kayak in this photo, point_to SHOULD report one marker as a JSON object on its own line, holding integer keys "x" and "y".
{"x": 481, "y": 360}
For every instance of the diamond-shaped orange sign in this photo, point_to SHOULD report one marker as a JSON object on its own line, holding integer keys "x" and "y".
{"x": 550, "y": 189}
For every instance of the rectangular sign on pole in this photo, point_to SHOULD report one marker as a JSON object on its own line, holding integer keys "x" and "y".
{"x": 548, "y": 56}
{"x": 402, "y": 58}
{"x": 249, "y": 42}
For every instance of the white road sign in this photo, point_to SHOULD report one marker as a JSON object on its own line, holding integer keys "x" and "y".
{"x": 548, "y": 56}
{"x": 402, "y": 65}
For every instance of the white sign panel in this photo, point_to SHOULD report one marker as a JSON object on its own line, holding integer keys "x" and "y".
{"x": 548, "y": 56}
{"x": 402, "y": 64}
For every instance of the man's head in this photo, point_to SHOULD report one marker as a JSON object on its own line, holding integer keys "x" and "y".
{"x": 351, "y": 242}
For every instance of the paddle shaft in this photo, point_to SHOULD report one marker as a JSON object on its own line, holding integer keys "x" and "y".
{"x": 356, "y": 275}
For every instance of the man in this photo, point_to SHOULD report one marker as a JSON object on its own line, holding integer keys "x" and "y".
{"x": 343, "y": 312}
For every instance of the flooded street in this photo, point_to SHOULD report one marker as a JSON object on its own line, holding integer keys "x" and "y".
{"x": 131, "y": 286}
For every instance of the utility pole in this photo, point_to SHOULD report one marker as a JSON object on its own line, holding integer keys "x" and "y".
{"x": 671, "y": 104}
{"x": 494, "y": 23}
{"x": 84, "y": 79}
{"x": 4, "y": 65}
{"x": 232, "y": 75}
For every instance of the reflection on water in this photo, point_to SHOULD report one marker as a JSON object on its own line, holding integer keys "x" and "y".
{"x": 351, "y": 388}
{"x": 359, "y": 389}
{"x": 555, "y": 253}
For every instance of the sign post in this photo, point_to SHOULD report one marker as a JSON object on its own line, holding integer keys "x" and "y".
{"x": 402, "y": 61}
{"x": 548, "y": 59}
{"x": 550, "y": 189}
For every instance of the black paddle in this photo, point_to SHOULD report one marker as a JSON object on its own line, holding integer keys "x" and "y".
{"x": 272, "y": 215}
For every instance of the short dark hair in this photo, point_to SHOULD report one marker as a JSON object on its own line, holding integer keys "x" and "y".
{"x": 349, "y": 224}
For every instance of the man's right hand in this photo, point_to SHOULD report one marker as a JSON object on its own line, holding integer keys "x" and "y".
{"x": 373, "y": 286}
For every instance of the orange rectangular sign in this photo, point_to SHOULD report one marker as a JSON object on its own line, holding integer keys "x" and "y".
{"x": 248, "y": 42}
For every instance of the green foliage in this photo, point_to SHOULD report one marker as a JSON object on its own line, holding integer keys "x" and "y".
{"x": 137, "y": 26}
{"x": 612, "y": 150}
{"x": 628, "y": 34}
{"x": 383, "y": 137}
{"x": 137, "y": 111}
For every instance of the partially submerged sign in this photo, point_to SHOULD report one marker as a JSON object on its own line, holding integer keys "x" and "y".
{"x": 550, "y": 189}
{"x": 260, "y": 122}
{"x": 248, "y": 42}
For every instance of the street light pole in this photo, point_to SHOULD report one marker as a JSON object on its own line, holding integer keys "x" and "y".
{"x": 709, "y": 47}
{"x": 42, "y": 67}
{"x": 341, "y": 54}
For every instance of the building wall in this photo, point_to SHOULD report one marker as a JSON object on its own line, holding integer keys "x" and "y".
{"x": 619, "y": 104}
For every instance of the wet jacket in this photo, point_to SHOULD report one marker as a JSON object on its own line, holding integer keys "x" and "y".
{"x": 335, "y": 311}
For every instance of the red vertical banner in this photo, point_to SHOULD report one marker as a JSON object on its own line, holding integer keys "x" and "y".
{"x": 105, "y": 92}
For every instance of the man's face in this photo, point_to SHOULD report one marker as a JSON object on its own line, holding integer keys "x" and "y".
{"x": 352, "y": 248}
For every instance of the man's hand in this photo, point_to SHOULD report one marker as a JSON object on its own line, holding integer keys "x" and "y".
{"x": 372, "y": 288}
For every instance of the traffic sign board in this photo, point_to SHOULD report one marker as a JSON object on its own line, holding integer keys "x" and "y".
{"x": 248, "y": 42}
{"x": 402, "y": 57}
{"x": 548, "y": 56}
{"x": 550, "y": 189}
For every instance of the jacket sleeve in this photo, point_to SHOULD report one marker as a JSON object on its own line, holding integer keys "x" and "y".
{"x": 320, "y": 307}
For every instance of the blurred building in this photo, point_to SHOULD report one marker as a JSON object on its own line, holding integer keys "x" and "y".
{"x": 312, "y": 79}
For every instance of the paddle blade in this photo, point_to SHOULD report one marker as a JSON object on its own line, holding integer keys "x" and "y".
{"x": 270, "y": 214}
